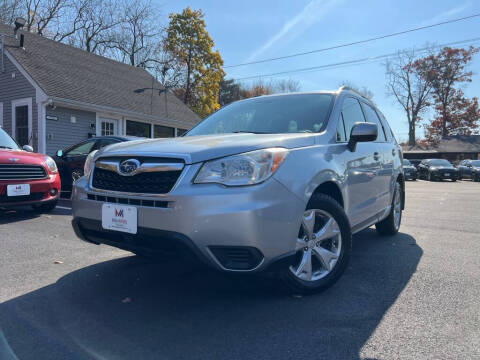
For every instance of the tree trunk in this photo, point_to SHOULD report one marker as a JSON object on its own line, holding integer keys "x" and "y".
{"x": 189, "y": 71}
{"x": 411, "y": 133}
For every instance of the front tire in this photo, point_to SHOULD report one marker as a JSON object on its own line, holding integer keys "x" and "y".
{"x": 391, "y": 224}
{"x": 323, "y": 247}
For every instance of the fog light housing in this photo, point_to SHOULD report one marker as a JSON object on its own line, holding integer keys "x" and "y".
{"x": 53, "y": 192}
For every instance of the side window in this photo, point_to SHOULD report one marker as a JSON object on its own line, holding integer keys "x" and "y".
{"x": 373, "y": 118}
{"x": 104, "y": 142}
{"x": 351, "y": 113}
{"x": 341, "y": 136}
{"x": 81, "y": 149}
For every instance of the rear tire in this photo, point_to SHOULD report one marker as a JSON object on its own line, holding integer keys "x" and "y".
{"x": 328, "y": 255}
{"x": 391, "y": 224}
{"x": 45, "y": 207}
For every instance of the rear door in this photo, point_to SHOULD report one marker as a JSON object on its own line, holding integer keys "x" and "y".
{"x": 361, "y": 167}
{"x": 383, "y": 152}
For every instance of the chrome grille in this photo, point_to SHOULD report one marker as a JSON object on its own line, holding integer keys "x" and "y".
{"x": 153, "y": 175}
{"x": 22, "y": 172}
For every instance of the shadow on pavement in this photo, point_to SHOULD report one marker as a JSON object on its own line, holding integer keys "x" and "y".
{"x": 21, "y": 213}
{"x": 131, "y": 308}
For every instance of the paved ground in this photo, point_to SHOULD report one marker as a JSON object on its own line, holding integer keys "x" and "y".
{"x": 411, "y": 296}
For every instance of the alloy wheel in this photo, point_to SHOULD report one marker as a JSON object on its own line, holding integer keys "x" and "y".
{"x": 319, "y": 245}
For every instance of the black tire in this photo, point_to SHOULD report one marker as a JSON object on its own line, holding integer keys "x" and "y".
{"x": 387, "y": 226}
{"x": 299, "y": 286}
{"x": 45, "y": 207}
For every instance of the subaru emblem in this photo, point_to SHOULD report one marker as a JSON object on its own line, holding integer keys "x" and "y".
{"x": 13, "y": 159}
{"x": 129, "y": 167}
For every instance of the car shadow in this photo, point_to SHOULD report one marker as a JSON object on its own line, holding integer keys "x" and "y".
{"x": 21, "y": 213}
{"x": 131, "y": 308}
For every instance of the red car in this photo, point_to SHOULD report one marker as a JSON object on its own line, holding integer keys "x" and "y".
{"x": 27, "y": 178}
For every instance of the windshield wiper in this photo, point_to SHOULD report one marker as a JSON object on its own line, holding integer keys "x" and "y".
{"x": 249, "y": 132}
{"x": 5, "y": 147}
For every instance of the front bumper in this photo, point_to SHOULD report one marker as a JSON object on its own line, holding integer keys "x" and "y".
{"x": 39, "y": 191}
{"x": 260, "y": 222}
{"x": 450, "y": 175}
{"x": 410, "y": 175}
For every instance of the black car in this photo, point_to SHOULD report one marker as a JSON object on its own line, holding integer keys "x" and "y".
{"x": 409, "y": 171}
{"x": 437, "y": 169}
{"x": 415, "y": 162}
{"x": 70, "y": 162}
{"x": 469, "y": 169}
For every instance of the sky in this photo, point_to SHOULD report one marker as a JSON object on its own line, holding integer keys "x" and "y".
{"x": 245, "y": 31}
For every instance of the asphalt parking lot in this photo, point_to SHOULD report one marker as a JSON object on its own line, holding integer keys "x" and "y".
{"x": 411, "y": 296}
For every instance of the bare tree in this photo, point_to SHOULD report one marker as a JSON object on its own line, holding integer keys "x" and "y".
{"x": 136, "y": 38}
{"x": 39, "y": 14}
{"x": 364, "y": 91}
{"x": 91, "y": 25}
{"x": 286, "y": 85}
{"x": 411, "y": 90}
{"x": 9, "y": 9}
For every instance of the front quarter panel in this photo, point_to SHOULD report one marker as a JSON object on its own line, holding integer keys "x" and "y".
{"x": 306, "y": 168}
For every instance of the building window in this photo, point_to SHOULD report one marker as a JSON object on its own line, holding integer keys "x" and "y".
{"x": 108, "y": 128}
{"x": 180, "y": 132}
{"x": 160, "y": 131}
{"x": 140, "y": 129}
{"x": 21, "y": 124}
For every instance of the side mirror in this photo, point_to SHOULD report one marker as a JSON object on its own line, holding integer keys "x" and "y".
{"x": 60, "y": 153}
{"x": 27, "y": 148}
{"x": 362, "y": 132}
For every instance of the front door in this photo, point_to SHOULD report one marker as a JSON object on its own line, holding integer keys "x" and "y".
{"x": 108, "y": 127}
{"x": 21, "y": 125}
{"x": 362, "y": 166}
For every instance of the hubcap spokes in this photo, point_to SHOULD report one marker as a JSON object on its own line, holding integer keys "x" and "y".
{"x": 319, "y": 244}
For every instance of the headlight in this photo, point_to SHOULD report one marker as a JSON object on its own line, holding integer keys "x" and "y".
{"x": 51, "y": 165}
{"x": 244, "y": 169}
{"x": 87, "y": 168}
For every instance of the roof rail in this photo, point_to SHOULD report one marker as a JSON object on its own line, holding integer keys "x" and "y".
{"x": 345, "y": 87}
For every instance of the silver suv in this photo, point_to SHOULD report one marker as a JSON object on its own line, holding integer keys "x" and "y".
{"x": 275, "y": 183}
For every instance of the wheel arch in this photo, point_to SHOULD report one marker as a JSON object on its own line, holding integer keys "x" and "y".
{"x": 331, "y": 189}
{"x": 400, "y": 179}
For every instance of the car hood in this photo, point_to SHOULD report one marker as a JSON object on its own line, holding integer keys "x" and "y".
{"x": 8, "y": 156}
{"x": 193, "y": 149}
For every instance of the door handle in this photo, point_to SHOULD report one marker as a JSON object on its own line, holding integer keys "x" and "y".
{"x": 376, "y": 155}
{"x": 393, "y": 152}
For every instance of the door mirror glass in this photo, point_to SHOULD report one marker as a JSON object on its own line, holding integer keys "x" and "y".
{"x": 59, "y": 153}
{"x": 27, "y": 148}
{"x": 362, "y": 132}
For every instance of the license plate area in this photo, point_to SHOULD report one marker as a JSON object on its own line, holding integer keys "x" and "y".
{"x": 119, "y": 218}
{"x": 18, "y": 190}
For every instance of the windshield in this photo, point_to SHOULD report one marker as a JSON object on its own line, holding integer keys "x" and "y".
{"x": 269, "y": 115}
{"x": 476, "y": 163}
{"x": 406, "y": 162}
{"x": 6, "y": 142}
{"x": 439, "y": 162}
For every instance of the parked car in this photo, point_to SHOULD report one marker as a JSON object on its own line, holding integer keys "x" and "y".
{"x": 26, "y": 178}
{"x": 415, "y": 162}
{"x": 409, "y": 171}
{"x": 70, "y": 162}
{"x": 469, "y": 169}
{"x": 274, "y": 183}
{"x": 437, "y": 169}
